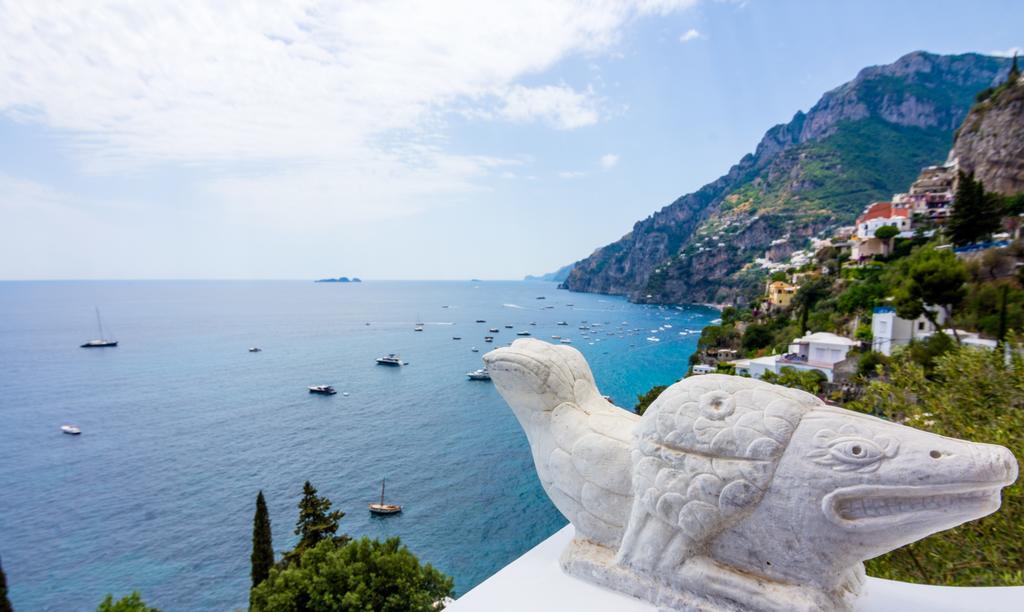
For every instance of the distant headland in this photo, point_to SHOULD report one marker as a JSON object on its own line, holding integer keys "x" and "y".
{"x": 340, "y": 279}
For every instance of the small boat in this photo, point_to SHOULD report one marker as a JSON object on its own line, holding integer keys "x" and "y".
{"x": 533, "y": 322}
{"x": 102, "y": 342}
{"x": 493, "y": 330}
{"x": 523, "y": 333}
{"x": 566, "y": 341}
{"x": 255, "y": 349}
{"x": 481, "y": 374}
{"x": 456, "y": 337}
{"x": 382, "y": 508}
{"x": 541, "y": 297}
{"x": 555, "y": 337}
{"x": 419, "y": 327}
{"x": 488, "y": 338}
{"x": 508, "y": 327}
{"x": 653, "y": 339}
{"x": 475, "y": 350}
{"x": 562, "y": 323}
{"x": 322, "y": 390}
{"x": 480, "y": 321}
{"x": 390, "y": 360}
{"x": 71, "y": 430}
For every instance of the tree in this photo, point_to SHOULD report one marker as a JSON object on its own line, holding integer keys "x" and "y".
{"x": 5, "y": 604}
{"x": 316, "y": 521}
{"x": 128, "y": 603}
{"x": 886, "y": 233}
{"x": 262, "y": 544}
{"x": 928, "y": 279}
{"x": 807, "y": 296}
{"x": 976, "y": 213}
{"x": 1014, "y": 73}
{"x": 359, "y": 575}
{"x": 757, "y": 336}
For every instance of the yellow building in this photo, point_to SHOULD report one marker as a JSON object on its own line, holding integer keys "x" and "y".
{"x": 781, "y": 294}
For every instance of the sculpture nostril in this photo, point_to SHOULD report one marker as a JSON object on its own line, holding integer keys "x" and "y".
{"x": 935, "y": 454}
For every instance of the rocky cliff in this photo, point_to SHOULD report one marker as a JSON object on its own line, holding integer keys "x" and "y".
{"x": 862, "y": 141}
{"x": 990, "y": 143}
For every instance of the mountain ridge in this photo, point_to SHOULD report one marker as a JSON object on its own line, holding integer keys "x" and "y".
{"x": 791, "y": 185}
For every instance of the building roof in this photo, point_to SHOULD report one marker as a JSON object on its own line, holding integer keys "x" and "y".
{"x": 826, "y": 338}
{"x": 882, "y": 210}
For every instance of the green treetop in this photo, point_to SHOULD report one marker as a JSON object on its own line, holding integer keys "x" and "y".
{"x": 128, "y": 603}
{"x": 976, "y": 214}
{"x": 360, "y": 575}
{"x": 262, "y": 544}
{"x": 927, "y": 279}
{"x": 316, "y": 521}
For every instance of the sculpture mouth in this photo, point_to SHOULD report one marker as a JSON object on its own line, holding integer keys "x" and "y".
{"x": 869, "y": 507}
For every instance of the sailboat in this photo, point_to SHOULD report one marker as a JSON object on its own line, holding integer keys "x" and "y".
{"x": 102, "y": 342}
{"x": 383, "y": 508}
{"x": 419, "y": 324}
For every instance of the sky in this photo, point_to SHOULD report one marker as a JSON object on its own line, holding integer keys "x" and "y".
{"x": 403, "y": 140}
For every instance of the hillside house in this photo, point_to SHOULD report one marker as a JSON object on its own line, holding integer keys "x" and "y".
{"x": 780, "y": 294}
{"x": 822, "y": 351}
{"x": 876, "y": 215}
{"x": 889, "y": 331}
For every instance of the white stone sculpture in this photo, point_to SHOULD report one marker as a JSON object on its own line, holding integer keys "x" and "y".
{"x": 732, "y": 493}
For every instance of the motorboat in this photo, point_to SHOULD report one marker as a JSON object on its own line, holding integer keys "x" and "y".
{"x": 523, "y": 333}
{"x": 475, "y": 350}
{"x": 508, "y": 327}
{"x": 390, "y": 359}
{"x": 255, "y": 349}
{"x": 488, "y": 338}
{"x": 493, "y": 330}
{"x": 562, "y": 323}
{"x": 566, "y": 341}
{"x": 481, "y": 374}
{"x": 456, "y": 337}
{"x": 555, "y": 337}
{"x": 381, "y": 508}
{"x": 71, "y": 430}
{"x": 322, "y": 390}
{"x": 480, "y": 321}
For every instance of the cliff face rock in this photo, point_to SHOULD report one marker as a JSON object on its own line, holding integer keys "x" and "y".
{"x": 990, "y": 142}
{"x": 862, "y": 141}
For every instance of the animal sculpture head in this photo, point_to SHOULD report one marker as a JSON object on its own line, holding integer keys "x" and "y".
{"x": 741, "y": 493}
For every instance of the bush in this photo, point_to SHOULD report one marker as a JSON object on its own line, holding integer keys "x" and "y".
{"x": 360, "y": 575}
{"x": 975, "y": 395}
{"x": 757, "y": 336}
{"x": 645, "y": 400}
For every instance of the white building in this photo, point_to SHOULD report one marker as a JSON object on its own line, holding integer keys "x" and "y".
{"x": 889, "y": 331}
{"x": 818, "y": 351}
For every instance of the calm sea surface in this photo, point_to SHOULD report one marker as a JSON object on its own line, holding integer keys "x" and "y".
{"x": 182, "y": 426}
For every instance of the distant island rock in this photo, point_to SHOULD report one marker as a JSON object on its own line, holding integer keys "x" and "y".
{"x": 340, "y": 279}
{"x": 557, "y": 276}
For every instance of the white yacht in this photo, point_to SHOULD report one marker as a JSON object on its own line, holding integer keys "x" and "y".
{"x": 71, "y": 430}
{"x": 481, "y": 374}
{"x": 390, "y": 360}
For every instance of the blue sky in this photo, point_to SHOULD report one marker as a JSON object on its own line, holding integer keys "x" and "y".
{"x": 397, "y": 140}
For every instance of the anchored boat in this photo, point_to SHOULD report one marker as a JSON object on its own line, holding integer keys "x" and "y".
{"x": 382, "y": 508}
{"x": 102, "y": 342}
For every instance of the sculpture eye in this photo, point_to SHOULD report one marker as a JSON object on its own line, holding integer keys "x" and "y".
{"x": 858, "y": 451}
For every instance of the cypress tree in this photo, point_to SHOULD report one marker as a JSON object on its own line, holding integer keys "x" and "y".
{"x": 1014, "y": 71}
{"x": 316, "y": 521}
{"x": 976, "y": 213}
{"x": 262, "y": 544}
{"x": 5, "y": 604}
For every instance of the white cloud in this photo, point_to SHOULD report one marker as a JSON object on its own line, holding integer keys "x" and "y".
{"x": 609, "y": 161}
{"x": 341, "y": 105}
{"x": 691, "y": 34}
{"x": 571, "y": 174}
{"x": 1008, "y": 52}
{"x": 559, "y": 105}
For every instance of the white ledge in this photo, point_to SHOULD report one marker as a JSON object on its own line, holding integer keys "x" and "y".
{"x": 536, "y": 582}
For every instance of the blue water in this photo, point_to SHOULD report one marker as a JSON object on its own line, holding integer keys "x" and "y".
{"x": 182, "y": 426}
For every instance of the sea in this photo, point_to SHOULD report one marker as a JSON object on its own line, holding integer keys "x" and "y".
{"x": 182, "y": 425}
